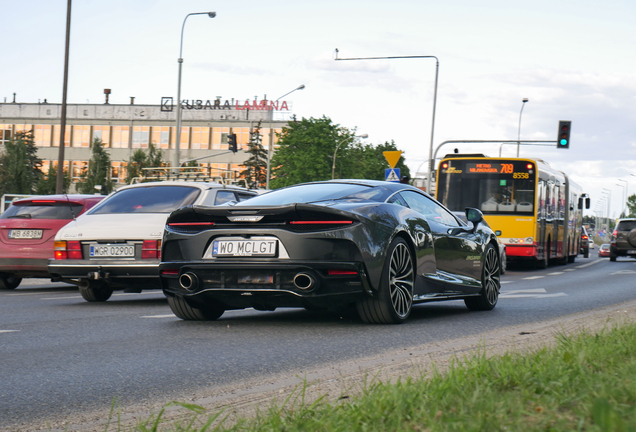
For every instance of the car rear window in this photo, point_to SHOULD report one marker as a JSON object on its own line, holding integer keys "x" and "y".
{"x": 306, "y": 194}
{"x": 35, "y": 210}
{"x": 151, "y": 199}
{"x": 626, "y": 225}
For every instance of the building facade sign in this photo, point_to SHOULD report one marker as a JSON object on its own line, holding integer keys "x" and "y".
{"x": 167, "y": 104}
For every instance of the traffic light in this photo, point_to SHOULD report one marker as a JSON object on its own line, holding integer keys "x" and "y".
{"x": 563, "y": 135}
{"x": 231, "y": 140}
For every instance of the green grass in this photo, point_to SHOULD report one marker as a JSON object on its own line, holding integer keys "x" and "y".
{"x": 587, "y": 382}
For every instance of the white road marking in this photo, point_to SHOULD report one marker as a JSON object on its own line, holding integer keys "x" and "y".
{"x": 590, "y": 263}
{"x": 525, "y": 291}
{"x": 560, "y": 294}
{"x": 569, "y": 270}
{"x": 555, "y": 273}
{"x": 534, "y": 277}
{"x": 624, "y": 272}
{"x": 160, "y": 316}
{"x": 505, "y": 282}
{"x": 8, "y": 331}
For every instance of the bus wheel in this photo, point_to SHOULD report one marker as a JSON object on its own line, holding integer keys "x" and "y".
{"x": 564, "y": 260}
{"x": 543, "y": 262}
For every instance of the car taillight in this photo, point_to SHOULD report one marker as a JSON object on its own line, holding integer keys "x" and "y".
{"x": 615, "y": 233}
{"x": 584, "y": 237}
{"x": 67, "y": 250}
{"x": 151, "y": 249}
{"x": 335, "y": 272}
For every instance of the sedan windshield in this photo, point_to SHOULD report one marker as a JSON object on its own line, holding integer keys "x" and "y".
{"x": 306, "y": 194}
{"x": 151, "y": 199}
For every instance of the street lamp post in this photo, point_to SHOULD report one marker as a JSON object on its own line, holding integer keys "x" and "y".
{"x": 270, "y": 147}
{"x": 180, "y": 61}
{"x": 430, "y": 150}
{"x": 333, "y": 167}
{"x": 519, "y": 130}
{"x": 623, "y": 195}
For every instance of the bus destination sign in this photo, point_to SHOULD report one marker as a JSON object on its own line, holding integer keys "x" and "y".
{"x": 489, "y": 168}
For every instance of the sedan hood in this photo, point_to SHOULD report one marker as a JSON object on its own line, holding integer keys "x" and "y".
{"x": 114, "y": 227}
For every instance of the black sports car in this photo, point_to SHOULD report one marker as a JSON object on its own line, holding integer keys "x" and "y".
{"x": 377, "y": 245}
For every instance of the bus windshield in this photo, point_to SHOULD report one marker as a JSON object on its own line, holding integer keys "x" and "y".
{"x": 493, "y": 186}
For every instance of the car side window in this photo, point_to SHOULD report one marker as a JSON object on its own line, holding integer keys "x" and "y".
{"x": 429, "y": 208}
{"x": 242, "y": 196}
{"x": 223, "y": 197}
{"x": 397, "y": 199}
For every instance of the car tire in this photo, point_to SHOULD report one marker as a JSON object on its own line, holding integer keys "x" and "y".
{"x": 395, "y": 294}
{"x": 586, "y": 253}
{"x": 96, "y": 291}
{"x": 612, "y": 257}
{"x": 186, "y": 312}
{"x": 490, "y": 281}
{"x": 9, "y": 282}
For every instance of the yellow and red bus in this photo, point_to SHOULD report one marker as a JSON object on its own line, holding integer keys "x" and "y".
{"x": 535, "y": 210}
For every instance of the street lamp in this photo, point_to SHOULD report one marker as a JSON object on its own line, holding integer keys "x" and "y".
{"x": 519, "y": 130}
{"x": 609, "y": 200}
{"x": 270, "y": 147}
{"x": 180, "y": 60}
{"x": 430, "y": 150}
{"x": 333, "y": 167}
{"x": 624, "y": 194}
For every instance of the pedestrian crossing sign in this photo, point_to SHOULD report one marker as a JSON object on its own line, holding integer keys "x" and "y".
{"x": 392, "y": 174}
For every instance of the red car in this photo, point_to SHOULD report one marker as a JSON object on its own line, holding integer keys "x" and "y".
{"x": 27, "y": 230}
{"x": 604, "y": 250}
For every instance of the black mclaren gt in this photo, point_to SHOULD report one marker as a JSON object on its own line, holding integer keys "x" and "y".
{"x": 375, "y": 245}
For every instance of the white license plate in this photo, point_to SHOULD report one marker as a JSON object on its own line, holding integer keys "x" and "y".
{"x": 631, "y": 252}
{"x": 236, "y": 248}
{"x": 25, "y": 234}
{"x": 112, "y": 251}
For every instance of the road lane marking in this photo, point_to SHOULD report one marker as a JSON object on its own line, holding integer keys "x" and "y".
{"x": 8, "y": 331}
{"x": 534, "y": 277}
{"x": 623, "y": 272}
{"x": 505, "y": 282}
{"x": 569, "y": 270}
{"x": 560, "y": 294}
{"x": 555, "y": 273}
{"x": 525, "y": 291}
{"x": 160, "y": 316}
{"x": 590, "y": 263}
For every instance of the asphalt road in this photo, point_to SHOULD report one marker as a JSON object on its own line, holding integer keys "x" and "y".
{"x": 61, "y": 355}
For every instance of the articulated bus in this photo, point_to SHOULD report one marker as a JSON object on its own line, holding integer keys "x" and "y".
{"x": 535, "y": 210}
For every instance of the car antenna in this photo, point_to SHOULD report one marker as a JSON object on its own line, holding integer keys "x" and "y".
{"x": 70, "y": 206}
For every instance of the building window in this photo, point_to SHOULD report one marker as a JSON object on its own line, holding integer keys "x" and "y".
{"x": 161, "y": 136}
{"x": 219, "y": 138}
{"x": 65, "y": 169}
{"x": 56, "y": 136}
{"x": 44, "y": 168}
{"x": 78, "y": 167}
{"x": 120, "y": 136}
{"x": 185, "y": 137}
{"x": 5, "y": 133}
{"x": 141, "y": 136}
{"x": 118, "y": 171}
{"x": 81, "y": 136}
{"x": 23, "y": 128}
{"x": 242, "y": 137}
{"x": 200, "y": 137}
{"x": 42, "y": 135}
{"x": 103, "y": 134}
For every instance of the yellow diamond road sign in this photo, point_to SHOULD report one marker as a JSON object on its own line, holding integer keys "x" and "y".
{"x": 392, "y": 157}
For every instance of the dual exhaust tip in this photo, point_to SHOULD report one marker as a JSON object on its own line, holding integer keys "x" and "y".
{"x": 302, "y": 281}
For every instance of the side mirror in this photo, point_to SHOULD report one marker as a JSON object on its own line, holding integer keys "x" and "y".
{"x": 474, "y": 215}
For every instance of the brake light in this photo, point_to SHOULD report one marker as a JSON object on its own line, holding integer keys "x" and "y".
{"x": 615, "y": 233}
{"x": 334, "y": 222}
{"x": 584, "y": 237}
{"x": 151, "y": 249}
{"x": 170, "y": 272}
{"x": 67, "y": 250}
{"x": 341, "y": 272}
{"x": 43, "y": 201}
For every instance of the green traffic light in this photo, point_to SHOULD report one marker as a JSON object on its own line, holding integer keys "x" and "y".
{"x": 564, "y": 142}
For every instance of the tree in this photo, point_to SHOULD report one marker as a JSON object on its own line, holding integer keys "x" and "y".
{"x": 98, "y": 171}
{"x": 47, "y": 185}
{"x": 631, "y": 206}
{"x": 141, "y": 159}
{"x": 19, "y": 165}
{"x": 365, "y": 161}
{"x": 256, "y": 166}
{"x": 305, "y": 151}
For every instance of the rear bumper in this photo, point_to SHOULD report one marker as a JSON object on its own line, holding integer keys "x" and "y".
{"x": 266, "y": 285}
{"x": 521, "y": 251}
{"x": 118, "y": 271}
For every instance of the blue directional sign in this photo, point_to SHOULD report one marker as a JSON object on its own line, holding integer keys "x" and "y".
{"x": 392, "y": 175}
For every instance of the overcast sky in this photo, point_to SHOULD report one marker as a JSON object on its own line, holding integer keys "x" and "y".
{"x": 573, "y": 60}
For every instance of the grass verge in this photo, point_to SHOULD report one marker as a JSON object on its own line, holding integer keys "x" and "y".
{"x": 587, "y": 382}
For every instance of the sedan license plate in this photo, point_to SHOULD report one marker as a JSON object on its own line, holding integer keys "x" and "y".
{"x": 25, "y": 234}
{"x": 112, "y": 251}
{"x": 631, "y": 252}
{"x": 237, "y": 248}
